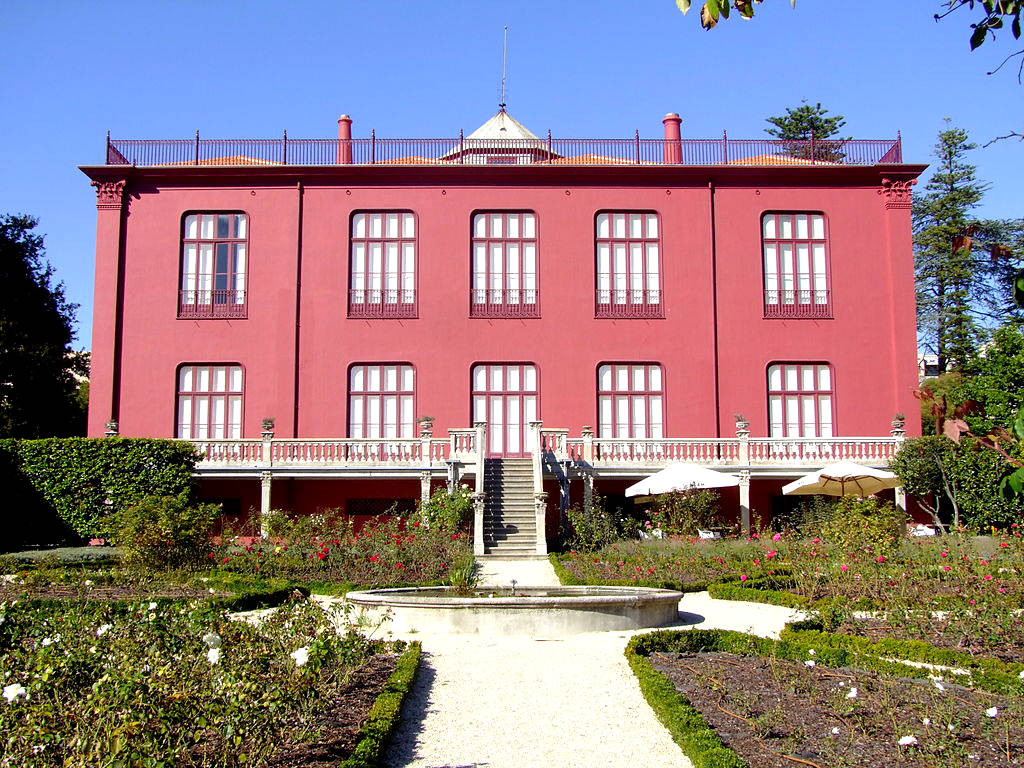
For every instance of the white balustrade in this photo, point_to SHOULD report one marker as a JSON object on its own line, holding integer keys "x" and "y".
{"x": 461, "y": 445}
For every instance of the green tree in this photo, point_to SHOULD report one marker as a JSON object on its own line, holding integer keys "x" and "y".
{"x": 962, "y": 270}
{"x": 994, "y": 380}
{"x": 809, "y": 128}
{"x": 37, "y": 366}
{"x": 992, "y": 15}
{"x": 805, "y": 122}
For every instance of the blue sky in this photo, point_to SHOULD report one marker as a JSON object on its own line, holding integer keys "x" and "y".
{"x": 70, "y": 71}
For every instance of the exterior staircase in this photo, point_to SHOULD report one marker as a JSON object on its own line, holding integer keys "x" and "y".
{"x": 510, "y": 517}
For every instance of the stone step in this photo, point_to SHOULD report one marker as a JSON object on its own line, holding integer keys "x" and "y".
{"x": 513, "y": 553}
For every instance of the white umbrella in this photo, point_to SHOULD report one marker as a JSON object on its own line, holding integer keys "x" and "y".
{"x": 681, "y": 477}
{"x": 844, "y": 478}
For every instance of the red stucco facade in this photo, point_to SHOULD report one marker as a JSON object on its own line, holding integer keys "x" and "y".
{"x": 296, "y": 343}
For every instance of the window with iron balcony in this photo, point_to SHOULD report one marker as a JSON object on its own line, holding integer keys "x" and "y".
{"x": 209, "y": 403}
{"x": 504, "y": 265}
{"x": 213, "y": 266}
{"x": 796, "y": 280}
{"x": 382, "y": 265}
{"x": 630, "y": 401}
{"x": 628, "y": 265}
{"x": 800, "y": 400}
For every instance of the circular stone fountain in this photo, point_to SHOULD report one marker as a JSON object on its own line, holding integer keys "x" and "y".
{"x": 526, "y": 611}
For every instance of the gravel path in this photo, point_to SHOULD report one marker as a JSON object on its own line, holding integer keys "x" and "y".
{"x": 513, "y": 702}
{"x": 554, "y": 703}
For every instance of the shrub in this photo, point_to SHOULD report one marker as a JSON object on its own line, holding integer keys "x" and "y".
{"x": 594, "y": 530}
{"x": 82, "y": 481}
{"x": 684, "y": 512}
{"x": 165, "y": 532}
{"x": 452, "y": 511}
{"x": 865, "y": 524}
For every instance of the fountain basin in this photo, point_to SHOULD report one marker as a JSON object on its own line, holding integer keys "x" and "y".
{"x": 528, "y": 611}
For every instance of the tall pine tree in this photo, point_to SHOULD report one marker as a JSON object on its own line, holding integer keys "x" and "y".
{"x": 37, "y": 367}
{"x": 962, "y": 264}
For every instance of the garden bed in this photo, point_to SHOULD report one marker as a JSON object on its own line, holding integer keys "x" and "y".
{"x": 88, "y": 682}
{"x": 972, "y": 633}
{"x": 735, "y": 700}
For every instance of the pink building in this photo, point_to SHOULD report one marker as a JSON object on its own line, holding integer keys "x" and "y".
{"x": 346, "y": 323}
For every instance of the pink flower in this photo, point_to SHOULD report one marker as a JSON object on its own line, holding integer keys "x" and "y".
{"x": 880, "y": 559}
{"x": 984, "y": 562}
{"x": 743, "y": 577}
{"x": 844, "y": 568}
{"x": 947, "y": 568}
{"x": 945, "y": 554}
{"x": 988, "y": 577}
{"x": 777, "y": 537}
{"x": 1003, "y": 544}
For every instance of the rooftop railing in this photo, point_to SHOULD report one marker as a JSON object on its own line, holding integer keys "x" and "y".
{"x": 505, "y": 152}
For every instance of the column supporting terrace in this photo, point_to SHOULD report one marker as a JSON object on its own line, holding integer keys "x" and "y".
{"x": 266, "y": 478}
{"x": 745, "y": 501}
{"x": 478, "y": 491}
{"x": 900, "y": 433}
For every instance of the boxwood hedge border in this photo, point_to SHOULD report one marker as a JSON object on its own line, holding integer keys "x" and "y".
{"x": 701, "y": 744}
{"x": 385, "y": 712}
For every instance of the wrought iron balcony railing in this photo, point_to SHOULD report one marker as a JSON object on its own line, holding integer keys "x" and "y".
{"x": 501, "y": 152}
{"x": 196, "y": 304}
{"x": 511, "y": 302}
{"x": 382, "y": 303}
{"x": 628, "y": 303}
{"x": 797, "y": 304}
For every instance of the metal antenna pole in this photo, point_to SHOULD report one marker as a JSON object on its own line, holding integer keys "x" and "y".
{"x": 504, "y": 69}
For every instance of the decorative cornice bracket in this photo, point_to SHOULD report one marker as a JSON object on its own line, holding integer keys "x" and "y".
{"x": 896, "y": 193}
{"x": 109, "y": 194}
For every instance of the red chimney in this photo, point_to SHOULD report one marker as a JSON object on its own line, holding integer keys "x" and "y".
{"x": 673, "y": 141}
{"x": 345, "y": 140}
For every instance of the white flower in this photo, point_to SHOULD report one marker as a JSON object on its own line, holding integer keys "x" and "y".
{"x": 808, "y": 663}
{"x": 13, "y": 691}
{"x": 836, "y": 731}
{"x": 938, "y": 686}
{"x": 810, "y": 652}
{"x": 102, "y": 629}
{"x": 908, "y": 741}
{"x": 927, "y": 721}
{"x": 152, "y": 606}
{"x": 213, "y": 655}
{"x": 301, "y": 656}
{"x": 1021, "y": 675}
{"x": 212, "y": 640}
{"x": 992, "y": 712}
{"x": 852, "y": 693}
{"x": 87, "y": 583}
{"x": 47, "y": 641}
{"x": 949, "y": 727}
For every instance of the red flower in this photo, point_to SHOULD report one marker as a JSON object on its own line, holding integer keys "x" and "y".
{"x": 374, "y": 558}
{"x": 1003, "y": 544}
{"x": 988, "y": 577}
{"x": 416, "y": 525}
{"x": 322, "y": 555}
{"x": 399, "y": 565}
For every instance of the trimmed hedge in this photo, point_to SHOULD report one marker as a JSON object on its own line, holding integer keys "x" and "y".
{"x": 991, "y": 674}
{"x": 691, "y": 732}
{"x": 568, "y": 578}
{"x": 383, "y": 716}
{"x": 62, "y": 489}
{"x": 758, "y": 590}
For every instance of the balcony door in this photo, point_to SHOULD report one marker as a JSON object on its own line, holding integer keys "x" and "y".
{"x": 505, "y": 395}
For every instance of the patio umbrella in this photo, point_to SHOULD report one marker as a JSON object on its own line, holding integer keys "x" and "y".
{"x": 681, "y": 477}
{"x": 844, "y": 478}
